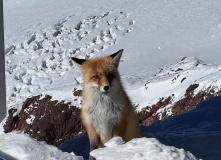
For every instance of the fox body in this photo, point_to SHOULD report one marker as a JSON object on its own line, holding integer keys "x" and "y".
{"x": 106, "y": 108}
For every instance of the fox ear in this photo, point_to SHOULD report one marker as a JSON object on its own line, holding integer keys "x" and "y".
{"x": 78, "y": 61}
{"x": 116, "y": 58}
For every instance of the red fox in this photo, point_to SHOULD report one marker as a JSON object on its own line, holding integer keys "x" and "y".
{"x": 106, "y": 108}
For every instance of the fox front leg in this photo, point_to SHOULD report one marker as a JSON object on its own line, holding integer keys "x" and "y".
{"x": 92, "y": 147}
{"x": 95, "y": 142}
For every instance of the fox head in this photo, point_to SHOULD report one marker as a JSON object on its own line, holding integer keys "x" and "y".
{"x": 101, "y": 74}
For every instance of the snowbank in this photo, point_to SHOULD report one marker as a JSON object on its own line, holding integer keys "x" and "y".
{"x": 21, "y": 146}
{"x": 139, "y": 149}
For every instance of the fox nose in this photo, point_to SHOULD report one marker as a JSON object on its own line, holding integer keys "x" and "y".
{"x": 106, "y": 88}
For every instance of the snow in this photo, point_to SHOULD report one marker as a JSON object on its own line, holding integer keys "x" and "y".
{"x": 38, "y": 50}
{"x": 30, "y": 120}
{"x": 143, "y": 148}
{"x": 38, "y": 62}
{"x": 42, "y": 63}
{"x": 21, "y": 146}
{"x": 115, "y": 141}
{"x": 179, "y": 28}
{"x": 173, "y": 80}
{"x": 41, "y": 36}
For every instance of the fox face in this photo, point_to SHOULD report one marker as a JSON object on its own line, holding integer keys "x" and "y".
{"x": 101, "y": 74}
{"x": 101, "y": 80}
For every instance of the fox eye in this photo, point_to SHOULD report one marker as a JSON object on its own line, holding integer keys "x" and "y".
{"x": 96, "y": 77}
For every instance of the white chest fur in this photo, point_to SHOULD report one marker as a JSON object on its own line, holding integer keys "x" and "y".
{"x": 103, "y": 112}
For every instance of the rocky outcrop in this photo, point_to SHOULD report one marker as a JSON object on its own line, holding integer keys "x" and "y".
{"x": 53, "y": 122}
{"x": 151, "y": 113}
{"x": 47, "y": 120}
{"x": 190, "y": 101}
{"x": 148, "y": 115}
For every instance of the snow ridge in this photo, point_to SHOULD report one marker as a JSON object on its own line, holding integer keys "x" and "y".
{"x": 173, "y": 81}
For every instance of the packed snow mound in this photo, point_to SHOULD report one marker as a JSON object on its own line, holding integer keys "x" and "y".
{"x": 21, "y": 146}
{"x": 139, "y": 149}
{"x": 115, "y": 141}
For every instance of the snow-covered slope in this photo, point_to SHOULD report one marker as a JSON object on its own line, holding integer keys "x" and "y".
{"x": 164, "y": 30}
{"x": 49, "y": 74}
{"x": 173, "y": 80}
{"x": 39, "y": 61}
{"x": 176, "y": 89}
{"x": 42, "y": 63}
{"x": 153, "y": 34}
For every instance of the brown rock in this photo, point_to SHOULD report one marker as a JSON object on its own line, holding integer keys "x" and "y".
{"x": 46, "y": 120}
{"x": 77, "y": 92}
{"x": 149, "y": 114}
{"x": 183, "y": 79}
{"x": 183, "y": 58}
{"x": 191, "y": 89}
